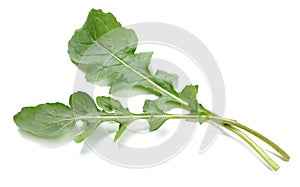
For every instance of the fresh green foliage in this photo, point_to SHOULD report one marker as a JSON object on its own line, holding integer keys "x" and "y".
{"x": 46, "y": 120}
{"x": 157, "y": 118}
{"x": 107, "y": 55}
{"x": 105, "y": 52}
{"x": 123, "y": 116}
{"x": 56, "y": 119}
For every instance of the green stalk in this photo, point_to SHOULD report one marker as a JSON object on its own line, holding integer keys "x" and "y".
{"x": 138, "y": 116}
{"x": 229, "y": 124}
{"x": 284, "y": 155}
{"x": 258, "y": 149}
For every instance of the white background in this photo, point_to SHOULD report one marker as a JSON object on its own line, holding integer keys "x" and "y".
{"x": 256, "y": 44}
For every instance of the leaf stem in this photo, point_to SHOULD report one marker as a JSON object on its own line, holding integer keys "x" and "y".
{"x": 229, "y": 124}
{"x": 258, "y": 149}
{"x": 139, "y": 116}
{"x": 284, "y": 155}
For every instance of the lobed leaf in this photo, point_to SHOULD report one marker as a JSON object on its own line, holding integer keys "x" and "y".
{"x": 106, "y": 54}
{"x": 84, "y": 107}
{"x": 189, "y": 94}
{"x": 158, "y": 117}
{"x": 109, "y": 56}
{"x": 122, "y": 115}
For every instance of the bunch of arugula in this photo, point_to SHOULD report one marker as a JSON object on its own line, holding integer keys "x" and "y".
{"x": 105, "y": 52}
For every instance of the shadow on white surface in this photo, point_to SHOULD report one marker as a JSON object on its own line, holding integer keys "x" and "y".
{"x": 274, "y": 154}
{"x": 85, "y": 149}
{"x": 98, "y": 135}
{"x": 246, "y": 146}
{"x": 48, "y": 142}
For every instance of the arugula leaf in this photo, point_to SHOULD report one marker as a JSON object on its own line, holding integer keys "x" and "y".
{"x": 82, "y": 104}
{"x": 46, "y": 120}
{"x": 122, "y": 115}
{"x": 189, "y": 94}
{"x": 110, "y": 105}
{"x": 93, "y": 117}
{"x": 82, "y": 136}
{"x": 158, "y": 117}
{"x": 107, "y": 56}
{"x": 105, "y": 52}
{"x": 56, "y": 119}
{"x": 158, "y": 107}
{"x": 122, "y": 128}
{"x": 84, "y": 108}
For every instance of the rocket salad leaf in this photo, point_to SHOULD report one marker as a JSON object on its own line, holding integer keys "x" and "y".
{"x": 56, "y": 119}
{"x": 46, "y": 120}
{"x": 105, "y": 52}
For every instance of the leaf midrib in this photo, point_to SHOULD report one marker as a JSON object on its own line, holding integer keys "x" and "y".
{"x": 141, "y": 75}
{"x": 136, "y": 116}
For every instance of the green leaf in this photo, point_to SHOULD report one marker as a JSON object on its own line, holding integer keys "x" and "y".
{"x": 121, "y": 114}
{"x": 46, "y": 120}
{"x": 105, "y": 53}
{"x": 83, "y": 107}
{"x": 201, "y": 119}
{"x": 163, "y": 104}
{"x": 81, "y": 137}
{"x": 135, "y": 74}
{"x": 109, "y": 104}
{"x": 96, "y": 25}
{"x": 189, "y": 94}
{"x": 82, "y": 104}
{"x": 156, "y": 122}
{"x": 122, "y": 128}
{"x": 101, "y": 42}
{"x": 158, "y": 117}
{"x": 171, "y": 79}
